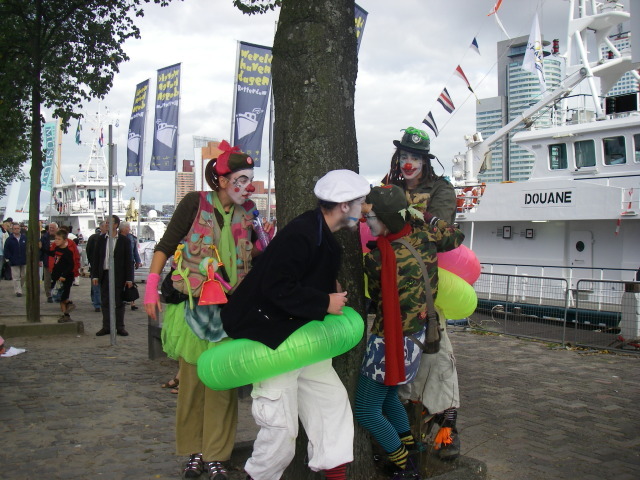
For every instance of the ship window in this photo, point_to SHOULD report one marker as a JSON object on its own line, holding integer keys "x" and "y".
{"x": 558, "y": 156}
{"x": 102, "y": 193}
{"x": 81, "y": 193}
{"x": 614, "y": 150}
{"x": 636, "y": 143}
{"x": 585, "y": 153}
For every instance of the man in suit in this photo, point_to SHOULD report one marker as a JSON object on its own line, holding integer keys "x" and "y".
{"x": 123, "y": 274}
{"x": 91, "y": 251}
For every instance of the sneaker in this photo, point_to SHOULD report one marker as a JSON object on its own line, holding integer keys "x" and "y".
{"x": 194, "y": 467}
{"x": 217, "y": 471}
{"x": 133, "y": 307}
{"x": 70, "y": 307}
{"x": 451, "y": 450}
{"x": 18, "y": 294}
{"x": 64, "y": 318}
{"x": 102, "y": 332}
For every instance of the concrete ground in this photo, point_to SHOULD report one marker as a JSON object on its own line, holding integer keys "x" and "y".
{"x": 75, "y": 406}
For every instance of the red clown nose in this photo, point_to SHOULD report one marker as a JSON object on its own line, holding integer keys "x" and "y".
{"x": 251, "y": 188}
{"x": 408, "y": 166}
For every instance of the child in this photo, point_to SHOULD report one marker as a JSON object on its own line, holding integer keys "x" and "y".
{"x": 63, "y": 266}
{"x": 396, "y": 283}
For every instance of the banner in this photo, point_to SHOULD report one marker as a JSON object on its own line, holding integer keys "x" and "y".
{"x": 49, "y": 147}
{"x": 361, "y": 19}
{"x": 165, "y": 138}
{"x": 135, "y": 140}
{"x": 253, "y": 85}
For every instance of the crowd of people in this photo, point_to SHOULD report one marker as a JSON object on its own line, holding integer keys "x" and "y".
{"x": 272, "y": 288}
{"x": 60, "y": 265}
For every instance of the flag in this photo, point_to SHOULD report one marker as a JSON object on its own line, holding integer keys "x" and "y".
{"x": 361, "y": 20}
{"x": 49, "y": 147}
{"x": 474, "y": 46}
{"x": 495, "y": 8}
{"x": 78, "y": 128}
{"x": 101, "y": 138}
{"x": 135, "y": 140}
{"x": 431, "y": 123}
{"x": 164, "y": 152}
{"x": 461, "y": 74}
{"x": 534, "y": 56}
{"x": 445, "y": 100}
{"x": 253, "y": 86}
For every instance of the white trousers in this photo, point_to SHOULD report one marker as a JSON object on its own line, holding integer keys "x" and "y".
{"x": 436, "y": 383}
{"x": 18, "y": 273}
{"x": 315, "y": 394}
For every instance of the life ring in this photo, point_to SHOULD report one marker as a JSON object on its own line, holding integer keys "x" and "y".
{"x": 242, "y": 361}
{"x": 467, "y": 199}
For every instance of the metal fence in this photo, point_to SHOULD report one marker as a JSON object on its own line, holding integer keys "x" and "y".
{"x": 603, "y": 314}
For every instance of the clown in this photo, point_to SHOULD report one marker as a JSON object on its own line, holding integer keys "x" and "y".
{"x": 211, "y": 239}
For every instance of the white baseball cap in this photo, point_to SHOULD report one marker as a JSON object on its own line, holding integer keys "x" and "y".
{"x": 341, "y": 186}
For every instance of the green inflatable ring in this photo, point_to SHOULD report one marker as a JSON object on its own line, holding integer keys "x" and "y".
{"x": 242, "y": 361}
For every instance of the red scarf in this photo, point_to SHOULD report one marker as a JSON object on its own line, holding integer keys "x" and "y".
{"x": 392, "y": 320}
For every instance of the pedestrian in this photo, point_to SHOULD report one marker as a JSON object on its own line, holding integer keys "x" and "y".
{"x": 90, "y": 249}
{"x": 436, "y": 384}
{"x": 4, "y": 234}
{"x": 46, "y": 260}
{"x": 15, "y": 251}
{"x": 406, "y": 248}
{"x": 62, "y": 272}
{"x": 216, "y": 228}
{"x": 76, "y": 255}
{"x": 123, "y": 275}
{"x": 292, "y": 283}
{"x": 125, "y": 229}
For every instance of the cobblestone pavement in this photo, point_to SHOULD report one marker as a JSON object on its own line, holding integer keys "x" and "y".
{"x": 74, "y": 406}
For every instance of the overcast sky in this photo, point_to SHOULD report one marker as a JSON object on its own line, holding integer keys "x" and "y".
{"x": 409, "y": 51}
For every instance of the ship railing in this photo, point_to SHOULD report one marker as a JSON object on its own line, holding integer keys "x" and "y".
{"x": 600, "y": 314}
{"x": 572, "y": 273}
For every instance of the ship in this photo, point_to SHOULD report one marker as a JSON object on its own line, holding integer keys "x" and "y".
{"x": 577, "y": 217}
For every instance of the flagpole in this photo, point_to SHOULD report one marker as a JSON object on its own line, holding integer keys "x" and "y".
{"x": 235, "y": 89}
{"x": 141, "y": 161}
{"x": 271, "y": 118}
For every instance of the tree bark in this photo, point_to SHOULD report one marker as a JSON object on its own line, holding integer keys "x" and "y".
{"x": 33, "y": 233}
{"x": 314, "y": 75}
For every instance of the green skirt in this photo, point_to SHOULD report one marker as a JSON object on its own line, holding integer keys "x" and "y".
{"x": 178, "y": 340}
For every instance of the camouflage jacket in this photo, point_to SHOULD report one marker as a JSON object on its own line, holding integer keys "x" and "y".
{"x": 439, "y": 197}
{"x": 427, "y": 239}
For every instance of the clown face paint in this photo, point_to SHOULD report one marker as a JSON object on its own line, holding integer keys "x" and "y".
{"x": 354, "y": 213}
{"x": 376, "y": 226}
{"x": 411, "y": 165}
{"x": 239, "y": 186}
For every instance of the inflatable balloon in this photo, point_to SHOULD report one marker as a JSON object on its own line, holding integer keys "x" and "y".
{"x": 242, "y": 361}
{"x": 461, "y": 261}
{"x": 456, "y": 298}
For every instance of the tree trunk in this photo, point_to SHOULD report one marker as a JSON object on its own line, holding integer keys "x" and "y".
{"x": 314, "y": 75}
{"x": 33, "y": 233}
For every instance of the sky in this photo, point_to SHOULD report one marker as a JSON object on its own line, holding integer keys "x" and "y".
{"x": 409, "y": 51}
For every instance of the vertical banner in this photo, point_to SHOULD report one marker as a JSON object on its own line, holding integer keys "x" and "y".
{"x": 49, "y": 147}
{"x": 135, "y": 140}
{"x": 361, "y": 19}
{"x": 253, "y": 85}
{"x": 165, "y": 139}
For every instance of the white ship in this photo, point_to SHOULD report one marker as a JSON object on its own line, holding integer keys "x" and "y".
{"x": 247, "y": 122}
{"x": 578, "y": 215}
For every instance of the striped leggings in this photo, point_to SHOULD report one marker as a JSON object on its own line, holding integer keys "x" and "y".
{"x": 379, "y": 410}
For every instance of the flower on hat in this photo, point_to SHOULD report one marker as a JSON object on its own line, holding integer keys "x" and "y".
{"x": 222, "y": 165}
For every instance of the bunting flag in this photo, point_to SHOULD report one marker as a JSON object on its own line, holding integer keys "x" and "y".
{"x": 496, "y": 7}
{"x": 101, "y": 138}
{"x": 135, "y": 140}
{"x": 431, "y": 123}
{"x": 78, "y": 128}
{"x": 534, "y": 56}
{"x": 361, "y": 20}
{"x": 445, "y": 100}
{"x": 474, "y": 46}
{"x": 461, "y": 74}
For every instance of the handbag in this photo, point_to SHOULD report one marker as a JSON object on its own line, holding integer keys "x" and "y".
{"x": 130, "y": 294}
{"x": 170, "y": 293}
{"x": 433, "y": 336}
{"x": 56, "y": 291}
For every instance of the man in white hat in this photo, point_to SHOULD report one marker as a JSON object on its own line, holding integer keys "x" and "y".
{"x": 292, "y": 283}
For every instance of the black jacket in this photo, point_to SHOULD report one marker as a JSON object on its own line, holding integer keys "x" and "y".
{"x": 91, "y": 247}
{"x": 122, "y": 261}
{"x": 289, "y": 284}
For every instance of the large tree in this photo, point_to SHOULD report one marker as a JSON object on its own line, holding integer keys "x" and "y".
{"x": 314, "y": 75}
{"x": 57, "y": 54}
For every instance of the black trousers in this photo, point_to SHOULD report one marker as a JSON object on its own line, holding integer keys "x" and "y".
{"x": 104, "y": 300}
